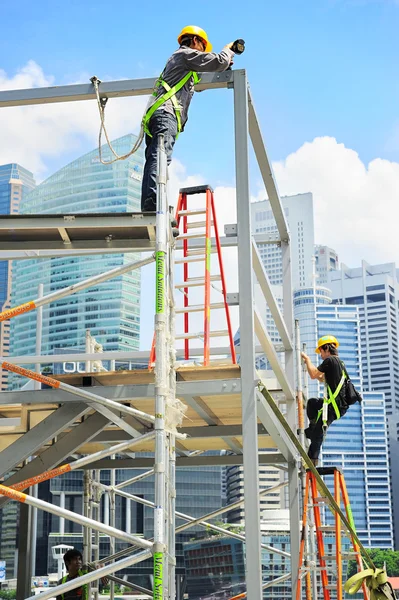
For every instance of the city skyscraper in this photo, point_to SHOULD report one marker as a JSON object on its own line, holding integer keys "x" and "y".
{"x": 15, "y": 183}
{"x": 375, "y": 290}
{"x": 299, "y": 214}
{"x": 357, "y": 443}
{"x": 111, "y": 310}
{"x": 326, "y": 261}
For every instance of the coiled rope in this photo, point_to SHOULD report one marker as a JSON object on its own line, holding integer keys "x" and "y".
{"x": 101, "y": 102}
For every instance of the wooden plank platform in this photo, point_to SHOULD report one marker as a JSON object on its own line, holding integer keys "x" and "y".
{"x": 203, "y": 410}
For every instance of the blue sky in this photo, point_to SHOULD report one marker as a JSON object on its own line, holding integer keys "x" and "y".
{"x": 320, "y": 67}
{"x": 324, "y": 77}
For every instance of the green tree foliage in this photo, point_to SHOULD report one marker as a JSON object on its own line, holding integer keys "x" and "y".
{"x": 379, "y": 557}
{"x": 8, "y": 594}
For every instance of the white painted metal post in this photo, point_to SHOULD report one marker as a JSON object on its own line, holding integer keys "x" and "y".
{"x": 247, "y": 342}
{"x": 86, "y": 512}
{"x": 111, "y": 497}
{"x": 293, "y": 466}
{"x": 161, "y": 374}
{"x": 171, "y": 438}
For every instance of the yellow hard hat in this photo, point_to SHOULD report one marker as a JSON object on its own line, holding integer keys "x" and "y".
{"x": 326, "y": 339}
{"x": 194, "y": 30}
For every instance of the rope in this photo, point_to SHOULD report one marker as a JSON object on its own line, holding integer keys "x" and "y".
{"x": 376, "y": 581}
{"x": 101, "y": 102}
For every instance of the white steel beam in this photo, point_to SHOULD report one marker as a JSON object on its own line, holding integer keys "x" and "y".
{"x": 267, "y": 171}
{"x": 253, "y": 569}
{"x": 214, "y": 431}
{"x": 74, "y": 517}
{"x": 268, "y": 458}
{"x": 57, "y": 453}
{"x": 39, "y": 435}
{"x": 272, "y": 303}
{"x": 108, "y": 89}
{"x": 291, "y": 416}
{"x": 185, "y": 389}
{"x": 271, "y": 355}
{"x": 274, "y": 429}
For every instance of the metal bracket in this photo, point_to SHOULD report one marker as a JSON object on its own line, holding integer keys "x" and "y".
{"x": 233, "y": 299}
{"x": 230, "y": 230}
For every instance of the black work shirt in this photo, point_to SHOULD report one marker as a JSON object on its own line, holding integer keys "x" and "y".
{"x": 77, "y": 593}
{"x": 332, "y": 368}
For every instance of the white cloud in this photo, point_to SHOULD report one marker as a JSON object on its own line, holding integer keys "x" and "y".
{"x": 33, "y": 135}
{"x": 356, "y": 205}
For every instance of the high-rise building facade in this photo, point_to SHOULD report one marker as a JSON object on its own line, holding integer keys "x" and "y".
{"x": 299, "y": 214}
{"x": 15, "y": 183}
{"x": 326, "y": 260}
{"x": 357, "y": 443}
{"x": 268, "y": 477}
{"x": 375, "y": 290}
{"x": 110, "y": 310}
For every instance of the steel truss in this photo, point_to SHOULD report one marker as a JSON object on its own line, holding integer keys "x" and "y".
{"x": 134, "y": 425}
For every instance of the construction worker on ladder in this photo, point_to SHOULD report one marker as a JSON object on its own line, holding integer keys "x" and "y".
{"x": 167, "y": 111}
{"x": 323, "y": 411}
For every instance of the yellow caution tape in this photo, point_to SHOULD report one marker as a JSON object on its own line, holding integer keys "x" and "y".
{"x": 376, "y": 581}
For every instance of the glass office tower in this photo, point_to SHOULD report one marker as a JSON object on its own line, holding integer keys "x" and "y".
{"x": 111, "y": 310}
{"x": 357, "y": 443}
{"x": 15, "y": 183}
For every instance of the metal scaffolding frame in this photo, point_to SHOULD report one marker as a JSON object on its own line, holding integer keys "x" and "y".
{"x": 41, "y": 236}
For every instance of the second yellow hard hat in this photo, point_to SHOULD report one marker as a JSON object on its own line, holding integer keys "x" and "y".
{"x": 326, "y": 339}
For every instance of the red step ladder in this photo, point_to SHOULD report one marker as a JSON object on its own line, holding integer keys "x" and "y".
{"x": 201, "y": 231}
{"x": 328, "y": 564}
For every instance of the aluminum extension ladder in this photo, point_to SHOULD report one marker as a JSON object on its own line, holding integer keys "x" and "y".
{"x": 327, "y": 565}
{"x": 200, "y": 232}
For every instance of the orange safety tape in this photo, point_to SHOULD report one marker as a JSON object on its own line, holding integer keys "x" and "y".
{"x": 17, "y": 310}
{"x": 31, "y": 374}
{"x": 22, "y": 485}
{"x": 12, "y": 494}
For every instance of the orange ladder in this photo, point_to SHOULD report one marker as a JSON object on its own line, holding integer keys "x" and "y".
{"x": 311, "y": 493}
{"x": 201, "y": 253}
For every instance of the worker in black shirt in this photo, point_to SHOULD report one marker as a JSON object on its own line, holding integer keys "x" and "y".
{"x": 323, "y": 411}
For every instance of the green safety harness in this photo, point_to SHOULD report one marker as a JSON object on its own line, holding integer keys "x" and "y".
{"x": 170, "y": 94}
{"x": 85, "y": 590}
{"x": 323, "y": 412}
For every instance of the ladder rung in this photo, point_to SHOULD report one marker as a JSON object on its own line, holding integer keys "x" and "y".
{"x": 193, "y": 336}
{"x": 197, "y": 224}
{"x": 198, "y": 211}
{"x": 190, "y": 259}
{"x": 201, "y": 251}
{"x": 193, "y": 281}
{"x": 198, "y": 308}
{"x": 191, "y": 236}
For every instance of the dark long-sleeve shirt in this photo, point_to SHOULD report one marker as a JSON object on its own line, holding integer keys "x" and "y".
{"x": 182, "y": 62}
